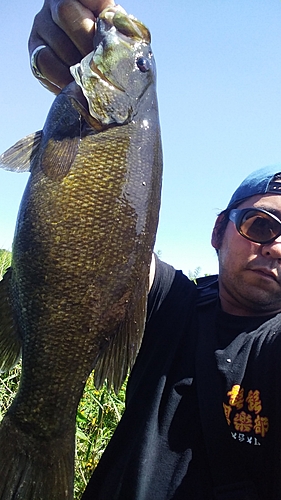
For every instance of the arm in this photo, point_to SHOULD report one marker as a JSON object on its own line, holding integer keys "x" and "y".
{"x": 66, "y": 28}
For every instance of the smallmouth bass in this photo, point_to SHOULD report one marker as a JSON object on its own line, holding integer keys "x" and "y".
{"x": 74, "y": 298}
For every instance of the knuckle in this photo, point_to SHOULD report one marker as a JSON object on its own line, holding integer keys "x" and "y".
{"x": 61, "y": 12}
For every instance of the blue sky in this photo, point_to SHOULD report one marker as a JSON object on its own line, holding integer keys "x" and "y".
{"x": 219, "y": 91}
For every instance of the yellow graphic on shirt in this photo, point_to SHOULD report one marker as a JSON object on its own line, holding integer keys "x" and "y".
{"x": 227, "y": 411}
{"x": 261, "y": 425}
{"x": 243, "y": 422}
{"x": 249, "y": 419}
{"x": 254, "y": 402}
{"x": 236, "y": 397}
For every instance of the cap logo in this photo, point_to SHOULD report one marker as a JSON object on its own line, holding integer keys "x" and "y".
{"x": 274, "y": 186}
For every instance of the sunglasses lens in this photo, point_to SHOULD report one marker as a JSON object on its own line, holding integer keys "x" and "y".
{"x": 259, "y": 227}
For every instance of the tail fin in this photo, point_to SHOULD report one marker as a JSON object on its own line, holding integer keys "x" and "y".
{"x": 35, "y": 468}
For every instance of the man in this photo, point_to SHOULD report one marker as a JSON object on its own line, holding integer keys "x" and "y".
{"x": 203, "y": 400}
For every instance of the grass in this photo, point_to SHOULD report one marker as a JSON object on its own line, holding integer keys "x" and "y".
{"x": 5, "y": 261}
{"x": 98, "y": 413}
{"x": 97, "y": 417}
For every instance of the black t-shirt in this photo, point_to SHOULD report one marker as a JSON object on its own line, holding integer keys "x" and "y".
{"x": 173, "y": 444}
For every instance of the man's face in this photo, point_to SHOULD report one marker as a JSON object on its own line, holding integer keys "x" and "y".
{"x": 250, "y": 273}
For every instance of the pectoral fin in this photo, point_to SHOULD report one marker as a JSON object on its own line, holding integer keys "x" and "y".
{"x": 58, "y": 157}
{"x": 10, "y": 342}
{"x": 19, "y": 157}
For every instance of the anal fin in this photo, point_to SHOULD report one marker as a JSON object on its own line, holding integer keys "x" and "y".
{"x": 118, "y": 357}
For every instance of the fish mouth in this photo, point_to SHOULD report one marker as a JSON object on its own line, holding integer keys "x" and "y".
{"x": 75, "y": 94}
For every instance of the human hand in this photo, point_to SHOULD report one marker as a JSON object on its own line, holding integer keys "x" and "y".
{"x": 65, "y": 29}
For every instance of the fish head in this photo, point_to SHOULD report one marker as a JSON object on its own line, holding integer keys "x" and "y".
{"x": 115, "y": 77}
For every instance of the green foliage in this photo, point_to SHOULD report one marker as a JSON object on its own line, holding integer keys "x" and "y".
{"x": 5, "y": 261}
{"x": 193, "y": 275}
{"x": 8, "y": 387}
{"x": 98, "y": 414}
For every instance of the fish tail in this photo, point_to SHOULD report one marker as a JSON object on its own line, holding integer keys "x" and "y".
{"x": 34, "y": 468}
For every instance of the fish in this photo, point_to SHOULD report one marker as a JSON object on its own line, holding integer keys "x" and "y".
{"x": 74, "y": 298}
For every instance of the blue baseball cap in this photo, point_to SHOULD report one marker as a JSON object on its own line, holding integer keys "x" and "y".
{"x": 258, "y": 182}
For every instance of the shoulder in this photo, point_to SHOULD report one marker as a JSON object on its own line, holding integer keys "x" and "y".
{"x": 171, "y": 287}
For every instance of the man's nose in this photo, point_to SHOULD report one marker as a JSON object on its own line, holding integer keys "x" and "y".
{"x": 273, "y": 249}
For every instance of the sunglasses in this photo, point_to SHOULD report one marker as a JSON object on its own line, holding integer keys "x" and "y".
{"x": 256, "y": 224}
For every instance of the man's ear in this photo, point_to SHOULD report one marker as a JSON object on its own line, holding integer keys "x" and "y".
{"x": 217, "y": 232}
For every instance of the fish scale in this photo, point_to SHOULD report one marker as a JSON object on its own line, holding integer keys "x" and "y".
{"x": 75, "y": 296}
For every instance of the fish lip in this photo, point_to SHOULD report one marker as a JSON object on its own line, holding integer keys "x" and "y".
{"x": 266, "y": 272}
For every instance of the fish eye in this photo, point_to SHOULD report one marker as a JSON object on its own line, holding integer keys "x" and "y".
{"x": 143, "y": 64}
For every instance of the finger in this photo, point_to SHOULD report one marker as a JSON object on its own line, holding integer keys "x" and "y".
{"x": 45, "y": 31}
{"x": 55, "y": 74}
{"x": 77, "y": 22}
{"x": 66, "y": 27}
{"x": 97, "y": 6}
{"x": 53, "y": 61}
{"x": 49, "y": 86}
{"x": 77, "y": 19}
